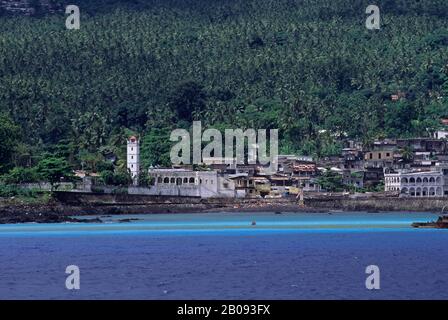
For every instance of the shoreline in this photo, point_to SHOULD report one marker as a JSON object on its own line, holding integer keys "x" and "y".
{"x": 59, "y": 212}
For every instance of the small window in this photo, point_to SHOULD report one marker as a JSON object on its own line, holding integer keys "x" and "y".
{"x": 371, "y": 156}
{"x": 388, "y": 154}
{"x": 132, "y": 157}
{"x": 379, "y": 155}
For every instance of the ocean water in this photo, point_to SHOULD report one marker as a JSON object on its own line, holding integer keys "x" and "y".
{"x": 223, "y": 256}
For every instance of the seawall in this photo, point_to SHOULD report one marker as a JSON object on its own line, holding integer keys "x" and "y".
{"x": 125, "y": 203}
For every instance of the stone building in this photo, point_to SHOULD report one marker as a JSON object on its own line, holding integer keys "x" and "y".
{"x": 381, "y": 154}
{"x": 250, "y": 186}
{"x": 189, "y": 183}
{"x": 417, "y": 184}
{"x": 352, "y": 159}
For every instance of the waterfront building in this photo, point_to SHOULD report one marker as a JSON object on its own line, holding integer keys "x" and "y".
{"x": 417, "y": 183}
{"x": 250, "y": 186}
{"x": 189, "y": 183}
{"x": 133, "y": 158}
{"x": 290, "y": 164}
{"x": 307, "y": 184}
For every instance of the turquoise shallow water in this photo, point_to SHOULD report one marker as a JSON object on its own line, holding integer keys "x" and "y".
{"x": 224, "y": 223}
{"x": 222, "y": 256}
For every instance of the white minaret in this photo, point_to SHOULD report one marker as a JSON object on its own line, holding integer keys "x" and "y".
{"x": 133, "y": 162}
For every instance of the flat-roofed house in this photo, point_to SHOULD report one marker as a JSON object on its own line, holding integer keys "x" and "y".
{"x": 189, "y": 183}
{"x": 417, "y": 183}
{"x": 381, "y": 154}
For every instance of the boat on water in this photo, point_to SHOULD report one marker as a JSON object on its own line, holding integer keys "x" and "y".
{"x": 441, "y": 223}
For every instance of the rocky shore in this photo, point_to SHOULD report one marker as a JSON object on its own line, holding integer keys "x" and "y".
{"x": 71, "y": 207}
{"x": 51, "y": 213}
{"x": 56, "y": 212}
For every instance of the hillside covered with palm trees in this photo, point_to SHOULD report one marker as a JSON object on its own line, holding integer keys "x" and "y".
{"x": 309, "y": 68}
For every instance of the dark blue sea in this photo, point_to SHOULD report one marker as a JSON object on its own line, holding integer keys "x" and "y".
{"x": 224, "y": 256}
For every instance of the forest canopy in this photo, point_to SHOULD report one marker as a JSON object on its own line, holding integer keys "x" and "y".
{"x": 307, "y": 67}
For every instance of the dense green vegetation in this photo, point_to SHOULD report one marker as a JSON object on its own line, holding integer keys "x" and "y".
{"x": 307, "y": 67}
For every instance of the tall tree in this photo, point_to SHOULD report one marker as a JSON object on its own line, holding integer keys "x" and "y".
{"x": 54, "y": 170}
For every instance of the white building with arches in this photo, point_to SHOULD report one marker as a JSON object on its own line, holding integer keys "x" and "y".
{"x": 189, "y": 183}
{"x": 417, "y": 184}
